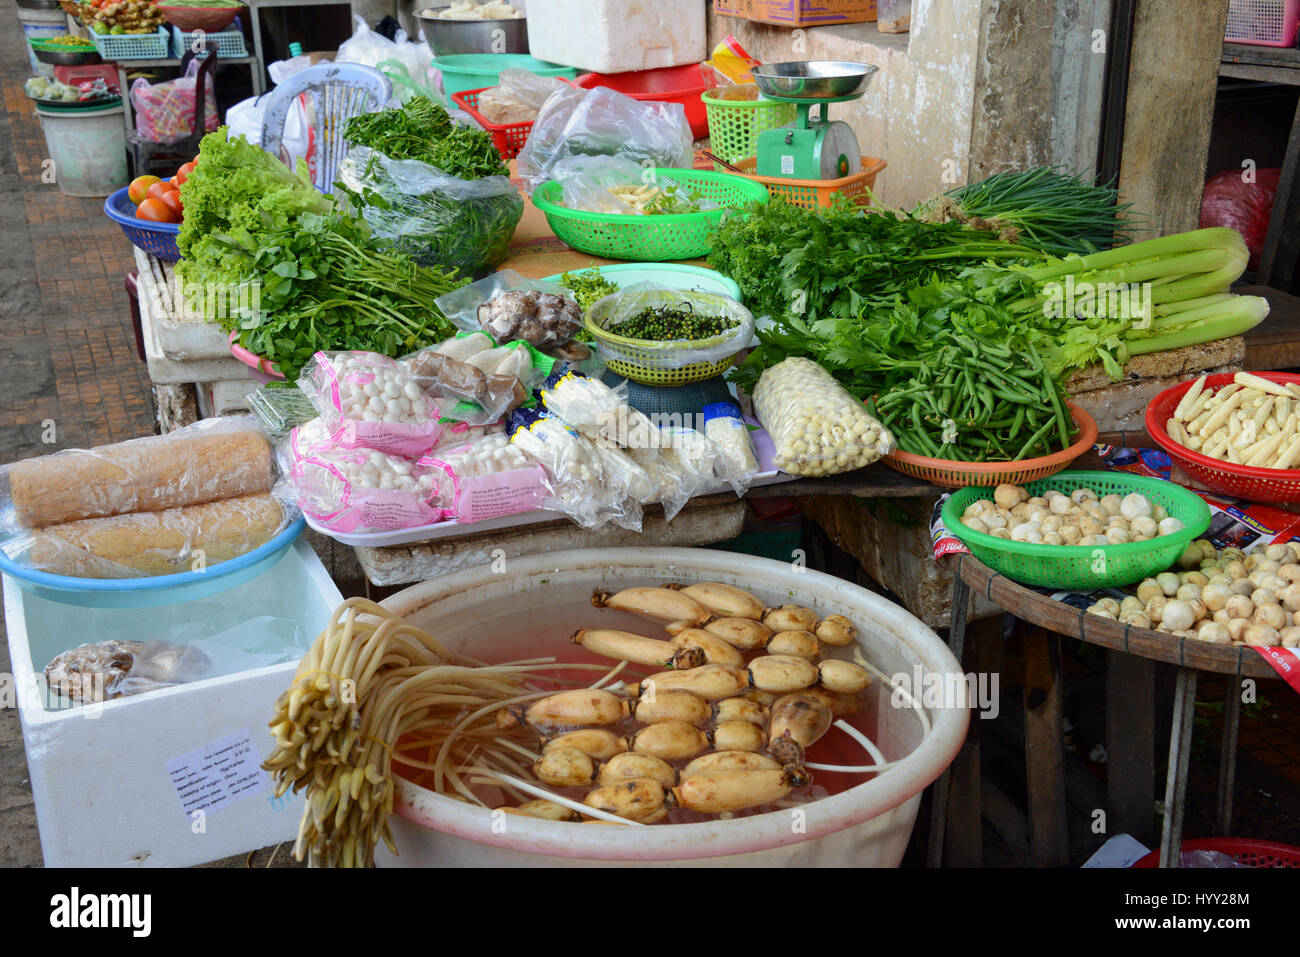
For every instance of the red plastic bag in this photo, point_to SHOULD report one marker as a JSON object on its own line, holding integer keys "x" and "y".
{"x": 1246, "y": 207}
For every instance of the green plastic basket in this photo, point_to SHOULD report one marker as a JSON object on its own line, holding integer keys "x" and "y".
{"x": 650, "y": 238}
{"x": 734, "y": 125}
{"x": 1080, "y": 567}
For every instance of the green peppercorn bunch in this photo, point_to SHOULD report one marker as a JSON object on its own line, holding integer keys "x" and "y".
{"x": 666, "y": 324}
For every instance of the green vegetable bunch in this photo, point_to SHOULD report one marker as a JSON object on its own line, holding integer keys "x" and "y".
{"x": 296, "y": 274}
{"x": 422, "y": 130}
{"x": 588, "y": 286}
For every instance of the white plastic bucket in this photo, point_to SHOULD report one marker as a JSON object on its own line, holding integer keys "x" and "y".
{"x": 478, "y": 612}
{"x": 88, "y": 147}
{"x": 41, "y": 25}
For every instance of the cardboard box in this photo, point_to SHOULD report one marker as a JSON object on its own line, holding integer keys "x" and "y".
{"x": 799, "y": 13}
{"x": 112, "y": 781}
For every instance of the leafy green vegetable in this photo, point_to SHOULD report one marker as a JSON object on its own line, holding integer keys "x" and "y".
{"x": 423, "y": 184}
{"x": 298, "y": 274}
{"x": 825, "y": 263}
{"x": 588, "y": 286}
{"x": 422, "y": 130}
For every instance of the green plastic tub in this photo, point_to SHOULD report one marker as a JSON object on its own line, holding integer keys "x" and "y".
{"x": 474, "y": 71}
{"x": 671, "y": 275}
{"x": 650, "y": 238}
{"x": 1082, "y": 567}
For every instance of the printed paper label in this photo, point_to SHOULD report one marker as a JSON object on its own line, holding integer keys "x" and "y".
{"x": 221, "y": 773}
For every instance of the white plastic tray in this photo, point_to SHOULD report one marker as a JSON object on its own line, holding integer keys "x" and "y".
{"x": 767, "y": 475}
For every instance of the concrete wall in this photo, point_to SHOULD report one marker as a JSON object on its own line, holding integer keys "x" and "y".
{"x": 918, "y": 110}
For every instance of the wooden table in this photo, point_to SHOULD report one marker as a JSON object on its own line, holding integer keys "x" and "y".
{"x": 1130, "y": 718}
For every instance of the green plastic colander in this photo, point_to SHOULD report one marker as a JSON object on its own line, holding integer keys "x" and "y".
{"x": 650, "y": 238}
{"x": 1079, "y": 567}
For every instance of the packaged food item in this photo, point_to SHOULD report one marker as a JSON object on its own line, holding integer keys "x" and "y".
{"x": 736, "y": 463}
{"x": 212, "y": 460}
{"x": 495, "y": 478}
{"x": 369, "y": 401}
{"x": 190, "y": 538}
{"x": 456, "y": 434}
{"x": 588, "y": 487}
{"x": 365, "y": 490}
{"x": 596, "y": 410}
{"x": 542, "y": 318}
{"x": 693, "y": 455}
{"x": 815, "y": 425}
{"x": 111, "y": 669}
{"x": 483, "y": 382}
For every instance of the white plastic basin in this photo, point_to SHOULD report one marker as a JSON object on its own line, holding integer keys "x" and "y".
{"x": 486, "y": 612}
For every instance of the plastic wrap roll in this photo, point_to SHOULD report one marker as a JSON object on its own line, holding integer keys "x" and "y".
{"x": 157, "y": 543}
{"x": 217, "y": 459}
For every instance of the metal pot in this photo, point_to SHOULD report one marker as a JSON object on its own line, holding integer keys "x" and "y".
{"x": 454, "y": 37}
{"x": 39, "y": 4}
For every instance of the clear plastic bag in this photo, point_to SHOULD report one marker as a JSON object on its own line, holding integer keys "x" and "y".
{"x": 817, "y": 428}
{"x": 466, "y": 308}
{"x": 370, "y": 401}
{"x": 363, "y": 490}
{"x": 437, "y": 219}
{"x": 164, "y": 112}
{"x": 604, "y": 122}
{"x": 736, "y": 464}
{"x": 588, "y": 487}
{"x": 618, "y": 307}
{"x": 483, "y": 381}
{"x": 518, "y": 98}
{"x": 376, "y": 50}
{"x": 496, "y": 478}
{"x": 612, "y": 184}
{"x": 596, "y": 410}
{"x": 455, "y": 434}
{"x": 111, "y": 669}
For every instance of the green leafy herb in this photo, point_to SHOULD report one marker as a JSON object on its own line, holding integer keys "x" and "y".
{"x": 588, "y": 286}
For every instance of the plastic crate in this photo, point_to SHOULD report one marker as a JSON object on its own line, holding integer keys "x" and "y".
{"x": 230, "y": 43}
{"x": 1266, "y": 23}
{"x": 734, "y": 125}
{"x": 812, "y": 193}
{"x": 508, "y": 138}
{"x": 146, "y": 46}
{"x": 1245, "y": 850}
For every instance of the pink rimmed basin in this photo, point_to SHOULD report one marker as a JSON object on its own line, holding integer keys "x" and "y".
{"x": 486, "y": 613}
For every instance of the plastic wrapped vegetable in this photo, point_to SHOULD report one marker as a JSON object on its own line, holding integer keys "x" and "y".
{"x": 370, "y": 401}
{"x": 815, "y": 425}
{"x": 488, "y": 380}
{"x": 542, "y": 318}
{"x": 736, "y": 463}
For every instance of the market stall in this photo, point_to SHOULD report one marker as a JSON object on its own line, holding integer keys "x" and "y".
{"x": 519, "y": 347}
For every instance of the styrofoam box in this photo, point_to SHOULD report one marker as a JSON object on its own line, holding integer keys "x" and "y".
{"x": 223, "y": 398}
{"x": 104, "y": 794}
{"x": 617, "y": 36}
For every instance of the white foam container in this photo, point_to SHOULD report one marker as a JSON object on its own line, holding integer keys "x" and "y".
{"x": 614, "y": 36}
{"x": 868, "y": 825}
{"x": 98, "y": 773}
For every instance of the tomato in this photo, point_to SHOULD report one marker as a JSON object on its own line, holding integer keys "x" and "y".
{"x": 183, "y": 173}
{"x": 155, "y": 211}
{"x": 172, "y": 200}
{"x": 159, "y": 189}
{"x": 138, "y": 191}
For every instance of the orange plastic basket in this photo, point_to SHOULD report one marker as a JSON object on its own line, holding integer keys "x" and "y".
{"x": 812, "y": 193}
{"x": 1278, "y": 486}
{"x": 952, "y": 474}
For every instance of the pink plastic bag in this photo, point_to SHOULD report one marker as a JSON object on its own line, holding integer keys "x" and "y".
{"x": 164, "y": 112}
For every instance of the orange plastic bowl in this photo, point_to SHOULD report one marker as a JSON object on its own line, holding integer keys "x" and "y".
{"x": 1239, "y": 481}
{"x": 950, "y": 474}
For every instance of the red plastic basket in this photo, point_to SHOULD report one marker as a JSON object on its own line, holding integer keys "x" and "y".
{"x": 509, "y": 138}
{"x": 1246, "y": 851}
{"x": 1240, "y": 481}
{"x": 673, "y": 84}
{"x": 1266, "y": 23}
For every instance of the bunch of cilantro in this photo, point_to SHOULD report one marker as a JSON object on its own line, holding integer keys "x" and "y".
{"x": 295, "y": 274}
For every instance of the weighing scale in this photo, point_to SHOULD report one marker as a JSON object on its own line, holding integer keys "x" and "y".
{"x": 811, "y": 148}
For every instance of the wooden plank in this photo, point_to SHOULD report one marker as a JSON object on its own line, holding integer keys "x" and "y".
{"x": 1286, "y": 58}
{"x": 1163, "y": 166}
{"x": 1044, "y": 753}
{"x": 1282, "y": 244}
{"x": 1275, "y": 342}
{"x": 1130, "y": 731}
{"x": 1180, "y": 751}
